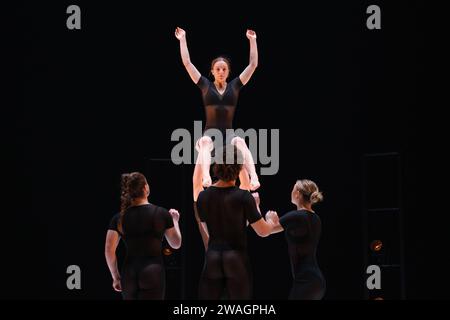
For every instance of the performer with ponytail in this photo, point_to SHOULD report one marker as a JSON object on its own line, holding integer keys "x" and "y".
{"x": 142, "y": 226}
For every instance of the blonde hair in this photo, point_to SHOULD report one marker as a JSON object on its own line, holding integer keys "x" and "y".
{"x": 309, "y": 190}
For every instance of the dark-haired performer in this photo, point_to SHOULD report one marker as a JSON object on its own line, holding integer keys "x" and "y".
{"x": 220, "y": 99}
{"x": 142, "y": 226}
{"x": 224, "y": 210}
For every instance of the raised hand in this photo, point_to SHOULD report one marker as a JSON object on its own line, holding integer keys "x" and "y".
{"x": 251, "y": 34}
{"x": 175, "y": 214}
{"x": 180, "y": 33}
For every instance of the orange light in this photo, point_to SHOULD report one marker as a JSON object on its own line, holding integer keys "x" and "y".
{"x": 167, "y": 251}
{"x": 376, "y": 245}
{"x": 378, "y": 298}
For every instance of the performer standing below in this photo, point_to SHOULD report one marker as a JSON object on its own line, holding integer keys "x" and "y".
{"x": 224, "y": 210}
{"x": 303, "y": 229}
{"x": 142, "y": 226}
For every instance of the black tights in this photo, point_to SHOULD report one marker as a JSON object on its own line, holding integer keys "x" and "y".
{"x": 308, "y": 286}
{"x": 225, "y": 269}
{"x": 143, "y": 278}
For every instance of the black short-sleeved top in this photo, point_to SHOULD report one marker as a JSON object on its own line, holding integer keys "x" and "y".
{"x": 219, "y": 108}
{"x": 226, "y": 212}
{"x": 143, "y": 229}
{"x": 302, "y": 230}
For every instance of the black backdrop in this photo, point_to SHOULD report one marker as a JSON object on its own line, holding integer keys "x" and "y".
{"x": 105, "y": 99}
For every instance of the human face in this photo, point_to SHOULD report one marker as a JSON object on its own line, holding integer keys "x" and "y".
{"x": 220, "y": 71}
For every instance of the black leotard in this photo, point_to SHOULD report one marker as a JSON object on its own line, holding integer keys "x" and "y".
{"x": 302, "y": 229}
{"x": 219, "y": 108}
{"x": 143, "y": 275}
{"x": 226, "y": 211}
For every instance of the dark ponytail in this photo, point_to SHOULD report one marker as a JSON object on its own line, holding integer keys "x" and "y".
{"x": 125, "y": 199}
{"x": 132, "y": 186}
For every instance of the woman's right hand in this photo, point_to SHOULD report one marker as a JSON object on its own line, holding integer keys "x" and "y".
{"x": 175, "y": 215}
{"x": 250, "y": 34}
{"x": 180, "y": 33}
{"x": 116, "y": 285}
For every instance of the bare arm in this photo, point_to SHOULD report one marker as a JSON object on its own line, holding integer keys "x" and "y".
{"x": 173, "y": 235}
{"x": 253, "y": 62}
{"x": 201, "y": 225}
{"x": 277, "y": 228}
{"x": 195, "y": 75}
{"x": 206, "y": 234}
{"x": 197, "y": 188}
{"x": 262, "y": 227}
{"x": 112, "y": 240}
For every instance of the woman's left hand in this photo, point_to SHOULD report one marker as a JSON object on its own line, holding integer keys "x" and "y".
{"x": 175, "y": 214}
